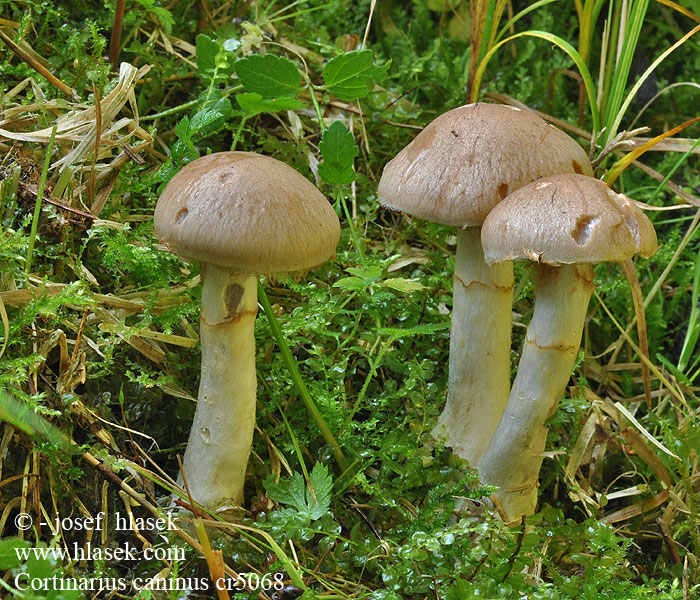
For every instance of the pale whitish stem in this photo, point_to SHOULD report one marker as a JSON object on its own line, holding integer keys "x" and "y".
{"x": 479, "y": 370}
{"x": 222, "y": 432}
{"x": 514, "y": 456}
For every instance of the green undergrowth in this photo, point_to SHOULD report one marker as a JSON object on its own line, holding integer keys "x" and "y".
{"x": 368, "y": 331}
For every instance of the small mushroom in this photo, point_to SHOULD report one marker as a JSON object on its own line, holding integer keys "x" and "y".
{"x": 565, "y": 224}
{"x": 239, "y": 214}
{"x": 454, "y": 172}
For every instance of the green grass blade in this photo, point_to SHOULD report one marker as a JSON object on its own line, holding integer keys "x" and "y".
{"x": 296, "y": 376}
{"x": 691, "y": 336}
{"x": 520, "y": 15}
{"x": 557, "y": 41}
{"x": 39, "y": 200}
{"x": 642, "y": 79}
{"x": 614, "y": 110}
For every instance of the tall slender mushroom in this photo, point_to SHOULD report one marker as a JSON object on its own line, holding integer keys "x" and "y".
{"x": 238, "y": 214}
{"x": 565, "y": 224}
{"x": 454, "y": 172}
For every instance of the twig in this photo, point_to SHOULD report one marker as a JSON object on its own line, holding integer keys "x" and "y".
{"x": 116, "y": 37}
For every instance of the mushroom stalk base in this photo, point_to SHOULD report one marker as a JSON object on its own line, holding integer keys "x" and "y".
{"x": 479, "y": 370}
{"x": 514, "y": 456}
{"x": 222, "y": 432}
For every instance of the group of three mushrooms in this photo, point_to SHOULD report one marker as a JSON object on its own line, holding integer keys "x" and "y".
{"x": 498, "y": 173}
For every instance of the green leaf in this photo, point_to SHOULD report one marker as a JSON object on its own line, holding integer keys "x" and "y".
{"x": 206, "y": 50}
{"x": 204, "y": 118}
{"x": 290, "y": 492}
{"x": 183, "y": 130}
{"x": 422, "y": 329}
{"x": 253, "y": 104}
{"x": 294, "y": 492}
{"x": 270, "y": 76}
{"x": 322, "y": 484}
{"x": 349, "y": 76}
{"x": 8, "y": 552}
{"x": 339, "y": 151}
{"x": 402, "y": 284}
{"x": 363, "y": 278}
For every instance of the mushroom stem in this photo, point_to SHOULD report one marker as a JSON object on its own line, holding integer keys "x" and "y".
{"x": 514, "y": 457}
{"x": 479, "y": 371}
{"x": 222, "y": 432}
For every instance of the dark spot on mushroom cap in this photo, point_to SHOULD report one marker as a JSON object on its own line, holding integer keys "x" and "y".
{"x": 181, "y": 215}
{"x": 232, "y": 298}
{"x": 577, "y": 167}
{"x": 584, "y": 228}
{"x": 503, "y": 190}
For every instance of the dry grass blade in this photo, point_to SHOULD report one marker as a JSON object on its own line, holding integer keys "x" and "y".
{"x": 80, "y": 124}
{"x": 643, "y": 431}
{"x": 631, "y": 273}
{"x": 35, "y": 61}
{"x": 681, "y": 9}
{"x": 628, "y": 159}
{"x": 666, "y": 383}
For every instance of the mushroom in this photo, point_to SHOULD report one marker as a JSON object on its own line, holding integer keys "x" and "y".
{"x": 454, "y": 172}
{"x": 565, "y": 224}
{"x": 239, "y": 214}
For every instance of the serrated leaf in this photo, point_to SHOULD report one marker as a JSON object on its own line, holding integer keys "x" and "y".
{"x": 339, "y": 151}
{"x": 206, "y": 50}
{"x": 322, "y": 484}
{"x": 253, "y": 104}
{"x": 203, "y": 118}
{"x": 270, "y": 76}
{"x": 363, "y": 278}
{"x": 294, "y": 492}
{"x": 182, "y": 129}
{"x": 290, "y": 492}
{"x": 402, "y": 284}
{"x": 350, "y": 75}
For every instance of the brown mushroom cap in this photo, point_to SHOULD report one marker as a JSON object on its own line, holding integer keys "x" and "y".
{"x": 566, "y": 219}
{"x": 247, "y": 212}
{"x": 470, "y": 158}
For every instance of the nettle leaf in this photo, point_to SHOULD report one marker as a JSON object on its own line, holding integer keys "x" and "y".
{"x": 339, "y": 151}
{"x": 253, "y": 104}
{"x": 349, "y": 76}
{"x": 270, "y": 76}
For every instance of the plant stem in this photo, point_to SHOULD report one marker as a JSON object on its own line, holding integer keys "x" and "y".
{"x": 170, "y": 111}
{"x": 351, "y": 224}
{"x": 296, "y": 376}
{"x": 238, "y": 133}
{"x": 39, "y": 200}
